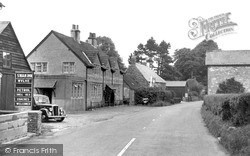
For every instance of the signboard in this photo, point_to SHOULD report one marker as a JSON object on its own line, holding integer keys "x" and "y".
{"x": 23, "y": 88}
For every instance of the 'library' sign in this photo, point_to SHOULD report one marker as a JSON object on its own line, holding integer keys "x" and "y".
{"x": 23, "y": 89}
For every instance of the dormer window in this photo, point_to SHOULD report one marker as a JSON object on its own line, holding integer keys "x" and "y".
{"x": 7, "y": 60}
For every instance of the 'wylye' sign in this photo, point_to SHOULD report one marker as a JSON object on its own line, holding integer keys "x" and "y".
{"x": 23, "y": 89}
{"x": 212, "y": 27}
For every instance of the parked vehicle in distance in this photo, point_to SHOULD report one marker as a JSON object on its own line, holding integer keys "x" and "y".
{"x": 49, "y": 111}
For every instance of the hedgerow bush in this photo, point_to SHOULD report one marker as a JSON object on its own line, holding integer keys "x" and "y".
{"x": 153, "y": 94}
{"x": 230, "y": 86}
{"x": 234, "y": 139}
{"x": 227, "y": 117}
{"x": 230, "y": 107}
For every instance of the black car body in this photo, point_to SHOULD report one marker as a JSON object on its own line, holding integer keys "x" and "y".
{"x": 49, "y": 111}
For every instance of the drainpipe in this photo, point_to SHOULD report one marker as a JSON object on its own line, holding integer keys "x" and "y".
{"x": 86, "y": 89}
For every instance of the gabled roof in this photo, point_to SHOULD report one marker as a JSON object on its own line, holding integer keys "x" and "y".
{"x": 113, "y": 63}
{"x": 175, "y": 83}
{"x": 131, "y": 82}
{"x": 104, "y": 59}
{"x": 228, "y": 57}
{"x": 3, "y": 25}
{"x": 77, "y": 49}
{"x": 149, "y": 73}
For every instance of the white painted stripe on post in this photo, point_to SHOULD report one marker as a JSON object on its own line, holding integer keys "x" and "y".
{"x": 126, "y": 147}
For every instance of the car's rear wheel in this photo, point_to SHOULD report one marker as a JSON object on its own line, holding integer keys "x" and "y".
{"x": 61, "y": 119}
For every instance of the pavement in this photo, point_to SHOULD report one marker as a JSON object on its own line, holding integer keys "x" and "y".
{"x": 176, "y": 130}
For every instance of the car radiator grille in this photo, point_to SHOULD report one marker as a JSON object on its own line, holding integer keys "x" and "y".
{"x": 55, "y": 110}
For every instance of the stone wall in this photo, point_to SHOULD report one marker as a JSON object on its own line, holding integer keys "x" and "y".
{"x": 13, "y": 126}
{"x": 218, "y": 74}
{"x": 17, "y": 125}
{"x": 34, "y": 122}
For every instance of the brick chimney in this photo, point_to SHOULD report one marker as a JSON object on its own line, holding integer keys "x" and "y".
{"x": 75, "y": 33}
{"x": 92, "y": 39}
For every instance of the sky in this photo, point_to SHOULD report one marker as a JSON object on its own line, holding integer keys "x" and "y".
{"x": 128, "y": 23}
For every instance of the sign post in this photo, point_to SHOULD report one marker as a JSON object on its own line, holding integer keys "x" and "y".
{"x": 23, "y": 88}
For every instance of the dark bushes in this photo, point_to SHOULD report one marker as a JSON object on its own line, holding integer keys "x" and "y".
{"x": 230, "y": 107}
{"x": 153, "y": 95}
{"x": 230, "y": 86}
{"x": 222, "y": 113}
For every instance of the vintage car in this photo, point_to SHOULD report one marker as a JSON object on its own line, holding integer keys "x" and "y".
{"x": 49, "y": 111}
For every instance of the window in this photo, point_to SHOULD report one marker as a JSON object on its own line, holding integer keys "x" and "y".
{"x": 7, "y": 60}
{"x": 39, "y": 67}
{"x": 68, "y": 67}
{"x": 77, "y": 90}
{"x": 96, "y": 90}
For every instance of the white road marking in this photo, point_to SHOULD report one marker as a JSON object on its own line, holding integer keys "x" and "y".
{"x": 126, "y": 147}
{"x": 144, "y": 127}
{"x": 153, "y": 120}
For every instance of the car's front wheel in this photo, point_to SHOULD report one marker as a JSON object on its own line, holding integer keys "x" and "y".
{"x": 61, "y": 119}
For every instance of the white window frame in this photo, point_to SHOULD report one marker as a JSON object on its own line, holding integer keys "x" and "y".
{"x": 7, "y": 61}
{"x": 67, "y": 68}
{"x": 36, "y": 65}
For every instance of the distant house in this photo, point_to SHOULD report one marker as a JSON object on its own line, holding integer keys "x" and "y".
{"x": 145, "y": 76}
{"x": 75, "y": 73}
{"x": 12, "y": 60}
{"x": 179, "y": 87}
{"x": 130, "y": 85}
{"x": 224, "y": 65}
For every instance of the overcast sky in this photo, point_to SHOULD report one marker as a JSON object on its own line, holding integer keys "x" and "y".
{"x": 127, "y": 22}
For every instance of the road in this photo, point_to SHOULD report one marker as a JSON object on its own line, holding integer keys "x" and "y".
{"x": 176, "y": 130}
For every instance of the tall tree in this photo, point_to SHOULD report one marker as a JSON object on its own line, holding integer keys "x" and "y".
{"x": 107, "y": 45}
{"x": 191, "y": 63}
{"x": 151, "y": 51}
{"x": 163, "y": 58}
{"x": 140, "y": 53}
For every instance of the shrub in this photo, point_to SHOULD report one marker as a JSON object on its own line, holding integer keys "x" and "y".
{"x": 230, "y": 86}
{"x": 153, "y": 95}
{"x": 231, "y": 107}
{"x": 235, "y": 140}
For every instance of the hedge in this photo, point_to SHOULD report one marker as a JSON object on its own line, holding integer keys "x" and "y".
{"x": 230, "y": 107}
{"x": 235, "y": 139}
{"x": 153, "y": 94}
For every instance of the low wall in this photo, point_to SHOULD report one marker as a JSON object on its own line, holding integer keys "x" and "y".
{"x": 13, "y": 126}
{"x": 17, "y": 125}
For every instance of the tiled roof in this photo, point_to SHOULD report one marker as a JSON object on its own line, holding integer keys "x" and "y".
{"x": 131, "y": 82}
{"x": 175, "y": 83}
{"x": 113, "y": 63}
{"x": 104, "y": 59}
{"x": 228, "y": 57}
{"x": 3, "y": 25}
{"x": 75, "y": 47}
{"x": 148, "y": 73}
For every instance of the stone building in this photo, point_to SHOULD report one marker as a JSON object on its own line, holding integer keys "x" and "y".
{"x": 224, "y": 65}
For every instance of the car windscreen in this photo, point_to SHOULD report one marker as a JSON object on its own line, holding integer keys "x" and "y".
{"x": 41, "y": 100}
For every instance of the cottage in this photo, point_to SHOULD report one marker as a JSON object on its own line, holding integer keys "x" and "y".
{"x": 130, "y": 85}
{"x": 71, "y": 72}
{"x": 145, "y": 76}
{"x": 224, "y": 65}
{"x": 16, "y": 77}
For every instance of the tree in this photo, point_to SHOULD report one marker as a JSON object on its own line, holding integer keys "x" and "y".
{"x": 151, "y": 48}
{"x": 191, "y": 63}
{"x": 230, "y": 86}
{"x": 106, "y": 45}
{"x": 140, "y": 53}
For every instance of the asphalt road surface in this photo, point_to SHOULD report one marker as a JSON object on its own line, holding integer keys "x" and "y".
{"x": 176, "y": 130}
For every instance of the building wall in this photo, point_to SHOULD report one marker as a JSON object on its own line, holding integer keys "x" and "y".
{"x": 94, "y": 87}
{"x": 53, "y": 51}
{"x": 118, "y": 85}
{"x": 218, "y": 74}
{"x": 10, "y": 44}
